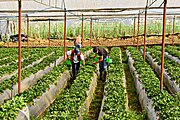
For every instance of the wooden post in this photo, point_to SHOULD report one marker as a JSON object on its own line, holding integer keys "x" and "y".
{"x": 163, "y": 45}
{"x": 91, "y": 32}
{"x": 145, "y": 23}
{"x": 173, "y": 30}
{"x": 82, "y": 31}
{"x": 19, "y": 46}
{"x": 138, "y": 30}
{"x": 134, "y": 29}
{"x": 49, "y": 33}
{"x": 65, "y": 34}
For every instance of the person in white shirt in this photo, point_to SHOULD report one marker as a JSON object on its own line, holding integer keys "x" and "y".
{"x": 75, "y": 57}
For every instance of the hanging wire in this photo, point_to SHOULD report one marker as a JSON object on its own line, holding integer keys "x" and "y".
{"x": 43, "y": 3}
{"x": 152, "y": 3}
{"x": 63, "y": 5}
{"x": 148, "y": 5}
{"x": 162, "y": 4}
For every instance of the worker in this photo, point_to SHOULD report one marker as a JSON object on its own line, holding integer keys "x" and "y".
{"x": 75, "y": 57}
{"x": 102, "y": 53}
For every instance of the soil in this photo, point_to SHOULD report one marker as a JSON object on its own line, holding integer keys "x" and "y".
{"x": 95, "y": 105}
{"x": 153, "y": 40}
{"x": 133, "y": 101}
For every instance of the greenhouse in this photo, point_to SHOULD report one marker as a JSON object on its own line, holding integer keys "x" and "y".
{"x": 89, "y": 60}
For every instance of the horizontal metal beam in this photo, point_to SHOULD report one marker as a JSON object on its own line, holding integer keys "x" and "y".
{"x": 88, "y": 10}
{"x": 52, "y": 19}
{"x": 98, "y": 15}
{"x": 118, "y": 9}
{"x": 12, "y": 0}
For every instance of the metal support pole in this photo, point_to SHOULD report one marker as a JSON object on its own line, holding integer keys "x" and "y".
{"x": 134, "y": 29}
{"x": 145, "y": 23}
{"x": 82, "y": 31}
{"x": 163, "y": 45}
{"x": 138, "y": 30}
{"x": 173, "y": 30}
{"x": 19, "y": 47}
{"x": 49, "y": 33}
{"x": 64, "y": 34}
{"x": 27, "y": 33}
{"x": 91, "y": 32}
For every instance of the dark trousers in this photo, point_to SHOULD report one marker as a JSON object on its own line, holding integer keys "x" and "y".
{"x": 75, "y": 69}
{"x": 103, "y": 68}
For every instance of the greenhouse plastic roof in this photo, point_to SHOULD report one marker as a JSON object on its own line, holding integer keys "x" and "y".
{"x": 50, "y": 8}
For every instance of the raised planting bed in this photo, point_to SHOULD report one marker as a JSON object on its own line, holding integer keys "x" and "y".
{"x": 160, "y": 103}
{"x": 171, "y": 52}
{"x": 9, "y": 71}
{"x": 13, "y": 56}
{"x": 45, "y": 90}
{"x": 10, "y": 109}
{"x": 31, "y": 75}
{"x": 171, "y": 73}
{"x": 6, "y": 51}
{"x": 114, "y": 104}
{"x": 40, "y": 104}
{"x": 74, "y": 103}
{"x": 176, "y": 59}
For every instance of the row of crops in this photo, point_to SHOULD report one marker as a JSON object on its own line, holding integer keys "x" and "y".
{"x": 166, "y": 105}
{"x": 48, "y": 92}
{"x": 18, "y": 102}
{"x": 171, "y": 66}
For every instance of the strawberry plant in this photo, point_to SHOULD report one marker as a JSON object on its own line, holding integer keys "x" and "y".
{"x": 115, "y": 96}
{"x": 7, "y": 84}
{"x": 171, "y": 66}
{"x": 173, "y": 50}
{"x": 14, "y": 66}
{"x": 68, "y": 104}
{"x": 12, "y": 56}
{"x": 11, "y": 107}
{"x": 5, "y": 52}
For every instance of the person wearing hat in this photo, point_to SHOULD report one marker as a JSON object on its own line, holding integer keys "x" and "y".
{"x": 102, "y": 53}
{"x": 75, "y": 57}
